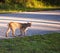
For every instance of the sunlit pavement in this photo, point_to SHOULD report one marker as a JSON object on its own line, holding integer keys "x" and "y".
{"x": 42, "y": 22}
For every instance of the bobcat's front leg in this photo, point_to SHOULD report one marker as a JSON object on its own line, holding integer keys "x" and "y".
{"x": 22, "y": 31}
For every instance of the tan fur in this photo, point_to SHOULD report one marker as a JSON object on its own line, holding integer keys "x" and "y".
{"x": 14, "y": 25}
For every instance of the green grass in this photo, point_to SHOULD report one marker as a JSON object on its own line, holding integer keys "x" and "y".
{"x": 29, "y": 10}
{"x": 5, "y": 8}
{"x": 48, "y": 43}
{"x": 34, "y": 5}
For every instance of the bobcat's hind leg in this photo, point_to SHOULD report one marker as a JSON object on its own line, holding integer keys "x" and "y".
{"x": 8, "y": 30}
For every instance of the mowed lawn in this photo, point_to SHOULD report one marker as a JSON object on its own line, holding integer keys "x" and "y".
{"x": 47, "y": 43}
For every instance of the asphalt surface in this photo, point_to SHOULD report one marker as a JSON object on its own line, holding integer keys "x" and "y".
{"x": 42, "y": 22}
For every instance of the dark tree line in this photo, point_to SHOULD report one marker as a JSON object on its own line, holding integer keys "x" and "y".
{"x": 51, "y": 2}
{"x": 23, "y": 4}
{"x": 47, "y": 2}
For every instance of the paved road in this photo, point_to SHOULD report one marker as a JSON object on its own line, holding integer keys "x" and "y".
{"x": 42, "y": 22}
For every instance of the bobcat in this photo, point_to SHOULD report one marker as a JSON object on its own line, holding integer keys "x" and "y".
{"x": 14, "y": 25}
